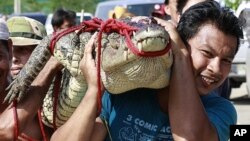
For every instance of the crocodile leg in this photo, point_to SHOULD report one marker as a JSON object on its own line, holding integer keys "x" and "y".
{"x": 69, "y": 51}
{"x": 38, "y": 59}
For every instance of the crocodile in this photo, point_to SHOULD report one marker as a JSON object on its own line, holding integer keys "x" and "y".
{"x": 121, "y": 69}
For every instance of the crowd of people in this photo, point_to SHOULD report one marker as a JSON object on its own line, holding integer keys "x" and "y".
{"x": 204, "y": 39}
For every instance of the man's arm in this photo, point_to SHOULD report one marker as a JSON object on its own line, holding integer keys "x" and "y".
{"x": 28, "y": 106}
{"x": 83, "y": 125}
{"x": 188, "y": 118}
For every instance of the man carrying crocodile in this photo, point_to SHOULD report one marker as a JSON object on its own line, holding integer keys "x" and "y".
{"x": 25, "y": 110}
{"x": 211, "y": 38}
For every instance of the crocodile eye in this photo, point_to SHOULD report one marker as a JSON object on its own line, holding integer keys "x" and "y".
{"x": 114, "y": 46}
{"x": 145, "y": 21}
{"x": 153, "y": 20}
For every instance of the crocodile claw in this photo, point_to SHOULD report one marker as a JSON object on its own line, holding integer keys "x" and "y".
{"x": 16, "y": 91}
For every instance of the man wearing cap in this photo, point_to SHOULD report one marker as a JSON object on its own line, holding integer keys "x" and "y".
{"x": 25, "y": 34}
{"x": 28, "y": 127}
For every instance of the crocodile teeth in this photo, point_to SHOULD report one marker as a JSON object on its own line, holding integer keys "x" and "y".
{"x": 125, "y": 55}
{"x": 121, "y": 44}
{"x": 163, "y": 40}
{"x": 133, "y": 33}
{"x": 148, "y": 30}
{"x": 144, "y": 42}
{"x": 139, "y": 45}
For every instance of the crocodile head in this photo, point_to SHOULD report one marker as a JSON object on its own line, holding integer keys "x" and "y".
{"x": 122, "y": 70}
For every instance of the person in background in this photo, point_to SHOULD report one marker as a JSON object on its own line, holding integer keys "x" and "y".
{"x": 169, "y": 114}
{"x": 63, "y": 19}
{"x": 4, "y": 17}
{"x": 26, "y": 34}
{"x": 72, "y": 15}
{"x": 120, "y": 12}
{"x": 159, "y": 12}
{"x": 26, "y": 122}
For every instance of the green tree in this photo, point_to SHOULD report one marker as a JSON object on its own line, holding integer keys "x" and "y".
{"x": 48, "y": 6}
{"x": 6, "y": 6}
{"x": 76, "y": 5}
{"x": 233, "y": 3}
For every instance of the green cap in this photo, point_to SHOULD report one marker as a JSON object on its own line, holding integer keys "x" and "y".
{"x": 25, "y": 31}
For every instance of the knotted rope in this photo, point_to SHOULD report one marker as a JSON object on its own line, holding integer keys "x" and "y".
{"x": 16, "y": 125}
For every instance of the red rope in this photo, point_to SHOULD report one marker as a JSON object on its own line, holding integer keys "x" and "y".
{"x": 16, "y": 126}
{"x": 41, "y": 125}
{"x": 56, "y": 95}
{"x": 110, "y": 25}
{"x": 86, "y": 26}
{"x": 26, "y": 137}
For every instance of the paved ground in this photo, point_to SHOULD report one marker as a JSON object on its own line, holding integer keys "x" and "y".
{"x": 240, "y": 99}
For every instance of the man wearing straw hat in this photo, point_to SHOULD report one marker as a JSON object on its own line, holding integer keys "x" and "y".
{"x": 25, "y": 34}
{"x": 22, "y": 118}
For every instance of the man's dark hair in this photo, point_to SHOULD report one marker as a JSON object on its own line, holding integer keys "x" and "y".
{"x": 71, "y": 13}
{"x": 209, "y": 12}
{"x": 5, "y": 44}
{"x": 166, "y": 2}
{"x": 60, "y": 15}
{"x": 181, "y": 4}
{"x": 72, "y": 16}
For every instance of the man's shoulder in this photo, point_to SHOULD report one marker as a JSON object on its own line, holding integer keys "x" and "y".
{"x": 221, "y": 113}
{"x": 214, "y": 99}
{"x": 219, "y": 106}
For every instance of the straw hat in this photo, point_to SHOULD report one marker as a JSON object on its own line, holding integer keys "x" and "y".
{"x": 25, "y": 31}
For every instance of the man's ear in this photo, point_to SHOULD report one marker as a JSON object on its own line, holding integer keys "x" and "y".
{"x": 10, "y": 47}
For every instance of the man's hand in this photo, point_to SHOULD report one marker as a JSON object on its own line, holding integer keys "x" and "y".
{"x": 87, "y": 64}
{"x": 178, "y": 47}
{"x": 54, "y": 64}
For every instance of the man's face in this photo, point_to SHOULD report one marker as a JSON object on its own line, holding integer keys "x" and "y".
{"x": 211, "y": 55}
{"x": 67, "y": 23}
{"x": 20, "y": 57}
{"x": 4, "y": 67}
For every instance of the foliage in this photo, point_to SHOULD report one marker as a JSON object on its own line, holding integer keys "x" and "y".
{"x": 48, "y": 6}
{"x": 233, "y": 3}
{"x": 6, "y": 6}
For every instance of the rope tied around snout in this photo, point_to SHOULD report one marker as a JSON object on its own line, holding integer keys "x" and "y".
{"x": 108, "y": 26}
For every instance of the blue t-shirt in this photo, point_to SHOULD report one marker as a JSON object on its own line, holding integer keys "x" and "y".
{"x": 136, "y": 116}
